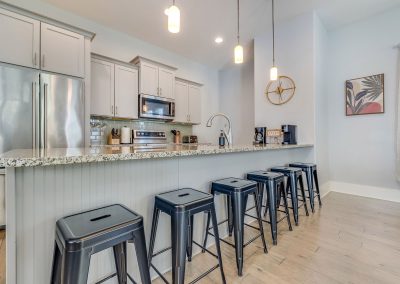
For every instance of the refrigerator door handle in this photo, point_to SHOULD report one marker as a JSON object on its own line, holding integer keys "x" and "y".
{"x": 33, "y": 115}
{"x": 45, "y": 114}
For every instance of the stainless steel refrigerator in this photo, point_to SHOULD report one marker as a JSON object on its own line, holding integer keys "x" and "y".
{"x": 40, "y": 110}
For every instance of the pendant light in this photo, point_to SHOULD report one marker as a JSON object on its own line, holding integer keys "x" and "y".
{"x": 174, "y": 18}
{"x": 274, "y": 70}
{"x": 238, "y": 47}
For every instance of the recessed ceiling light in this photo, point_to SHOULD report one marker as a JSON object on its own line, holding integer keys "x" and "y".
{"x": 219, "y": 40}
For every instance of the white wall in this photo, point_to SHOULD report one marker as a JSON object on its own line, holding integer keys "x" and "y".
{"x": 362, "y": 148}
{"x": 321, "y": 100}
{"x": 237, "y": 96}
{"x": 294, "y": 58}
{"x": 124, "y": 47}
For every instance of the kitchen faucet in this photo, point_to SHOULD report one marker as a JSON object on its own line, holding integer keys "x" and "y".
{"x": 228, "y": 135}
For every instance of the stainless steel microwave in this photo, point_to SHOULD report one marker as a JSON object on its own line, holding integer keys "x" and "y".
{"x": 153, "y": 107}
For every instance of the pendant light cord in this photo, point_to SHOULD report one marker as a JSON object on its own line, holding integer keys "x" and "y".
{"x": 273, "y": 33}
{"x": 238, "y": 22}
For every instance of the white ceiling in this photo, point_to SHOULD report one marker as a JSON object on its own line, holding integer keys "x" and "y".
{"x": 203, "y": 20}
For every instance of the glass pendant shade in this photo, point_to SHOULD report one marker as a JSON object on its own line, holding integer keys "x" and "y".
{"x": 174, "y": 19}
{"x": 273, "y": 73}
{"x": 238, "y": 54}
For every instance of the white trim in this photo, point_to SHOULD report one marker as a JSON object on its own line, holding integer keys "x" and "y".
{"x": 389, "y": 194}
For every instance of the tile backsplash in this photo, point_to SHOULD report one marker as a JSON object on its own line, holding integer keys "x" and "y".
{"x": 101, "y": 128}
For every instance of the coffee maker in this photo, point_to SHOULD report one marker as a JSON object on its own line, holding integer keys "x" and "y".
{"x": 289, "y": 134}
{"x": 260, "y": 135}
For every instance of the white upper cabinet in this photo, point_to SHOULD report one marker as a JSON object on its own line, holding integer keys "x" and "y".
{"x": 148, "y": 79}
{"x": 181, "y": 102}
{"x": 20, "y": 39}
{"x": 187, "y": 102}
{"x": 126, "y": 92}
{"x": 62, "y": 51}
{"x": 155, "y": 79}
{"x": 166, "y": 83}
{"x": 194, "y": 104}
{"x": 114, "y": 88}
{"x": 102, "y": 88}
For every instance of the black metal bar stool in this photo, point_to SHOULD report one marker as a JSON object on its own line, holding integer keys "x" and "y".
{"x": 81, "y": 235}
{"x": 237, "y": 192}
{"x": 274, "y": 185}
{"x": 181, "y": 205}
{"x": 311, "y": 175}
{"x": 294, "y": 177}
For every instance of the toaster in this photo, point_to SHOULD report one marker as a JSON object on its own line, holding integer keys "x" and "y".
{"x": 190, "y": 139}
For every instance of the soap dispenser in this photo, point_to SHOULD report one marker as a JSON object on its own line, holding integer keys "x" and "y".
{"x": 221, "y": 140}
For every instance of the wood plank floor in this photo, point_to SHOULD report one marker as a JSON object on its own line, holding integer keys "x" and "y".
{"x": 349, "y": 240}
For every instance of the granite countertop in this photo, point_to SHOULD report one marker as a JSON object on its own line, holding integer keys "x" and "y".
{"x": 48, "y": 157}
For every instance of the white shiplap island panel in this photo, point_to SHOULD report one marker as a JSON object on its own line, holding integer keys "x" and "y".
{"x": 42, "y": 194}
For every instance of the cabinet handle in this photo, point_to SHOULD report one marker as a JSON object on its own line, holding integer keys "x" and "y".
{"x": 43, "y": 60}
{"x": 35, "y": 59}
{"x": 116, "y": 110}
{"x": 190, "y": 119}
{"x": 158, "y": 91}
{"x": 112, "y": 109}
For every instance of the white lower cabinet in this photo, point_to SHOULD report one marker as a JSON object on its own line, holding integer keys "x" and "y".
{"x": 187, "y": 102}
{"x": 114, "y": 91}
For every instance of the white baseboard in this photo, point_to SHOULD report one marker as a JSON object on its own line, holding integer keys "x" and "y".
{"x": 389, "y": 194}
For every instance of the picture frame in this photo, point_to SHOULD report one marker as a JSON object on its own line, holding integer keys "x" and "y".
{"x": 365, "y": 95}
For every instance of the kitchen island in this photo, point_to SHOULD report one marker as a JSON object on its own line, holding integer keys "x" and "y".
{"x": 45, "y": 185}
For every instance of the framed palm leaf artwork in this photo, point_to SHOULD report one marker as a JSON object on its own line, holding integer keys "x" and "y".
{"x": 365, "y": 95}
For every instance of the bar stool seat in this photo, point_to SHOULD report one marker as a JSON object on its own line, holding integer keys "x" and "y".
{"x": 310, "y": 171}
{"x": 237, "y": 192}
{"x": 274, "y": 185}
{"x": 81, "y": 235}
{"x": 181, "y": 205}
{"x": 294, "y": 177}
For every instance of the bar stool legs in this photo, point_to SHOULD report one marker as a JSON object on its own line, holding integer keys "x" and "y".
{"x": 317, "y": 187}
{"x": 181, "y": 205}
{"x": 213, "y": 216}
{"x": 292, "y": 187}
{"x": 189, "y": 250}
{"x": 120, "y": 263}
{"x": 179, "y": 237}
{"x": 139, "y": 241}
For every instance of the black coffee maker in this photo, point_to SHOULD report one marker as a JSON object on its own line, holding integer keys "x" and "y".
{"x": 260, "y": 135}
{"x": 289, "y": 134}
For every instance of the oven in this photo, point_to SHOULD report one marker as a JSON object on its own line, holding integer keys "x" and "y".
{"x": 153, "y": 107}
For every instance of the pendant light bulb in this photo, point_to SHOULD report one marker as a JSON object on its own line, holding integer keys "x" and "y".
{"x": 238, "y": 54}
{"x": 238, "y": 48}
{"x": 273, "y": 73}
{"x": 174, "y": 19}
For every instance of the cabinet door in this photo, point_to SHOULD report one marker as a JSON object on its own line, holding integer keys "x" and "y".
{"x": 166, "y": 83}
{"x": 20, "y": 38}
{"x": 181, "y": 102}
{"x": 126, "y": 92}
{"x": 102, "y": 91}
{"x": 194, "y": 104}
{"x": 148, "y": 82}
{"x": 62, "y": 51}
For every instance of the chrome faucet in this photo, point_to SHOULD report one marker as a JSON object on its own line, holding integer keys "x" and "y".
{"x": 228, "y": 135}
